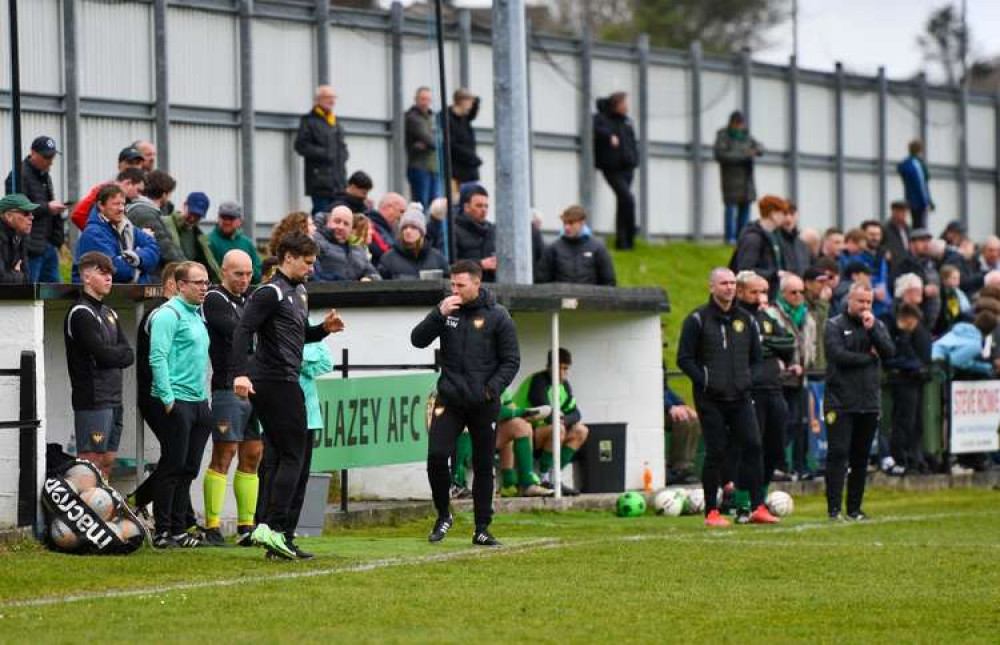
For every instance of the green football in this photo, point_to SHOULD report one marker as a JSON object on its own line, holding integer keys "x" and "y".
{"x": 631, "y": 504}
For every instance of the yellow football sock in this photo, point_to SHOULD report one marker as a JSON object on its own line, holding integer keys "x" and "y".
{"x": 245, "y": 487}
{"x": 215, "y": 496}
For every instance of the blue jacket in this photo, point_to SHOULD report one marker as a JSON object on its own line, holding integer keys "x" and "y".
{"x": 913, "y": 172}
{"x": 880, "y": 276}
{"x": 99, "y": 236}
{"x": 962, "y": 347}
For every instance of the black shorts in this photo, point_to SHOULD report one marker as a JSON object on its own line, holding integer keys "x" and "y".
{"x": 233, "y": 418}
{"x": 98, "y": 430}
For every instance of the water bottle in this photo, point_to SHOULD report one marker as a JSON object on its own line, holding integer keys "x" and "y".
{"x": 647, "y": 477}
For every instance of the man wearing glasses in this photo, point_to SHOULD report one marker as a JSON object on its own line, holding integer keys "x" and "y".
{"x": 178, "y": 357}
{"x": 793, "y": 314}
{"x": 16, "y": 215}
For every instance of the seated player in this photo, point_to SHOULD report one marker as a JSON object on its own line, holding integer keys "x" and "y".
{"x": 517, "y": 461}
{"x": 536, "y": 391}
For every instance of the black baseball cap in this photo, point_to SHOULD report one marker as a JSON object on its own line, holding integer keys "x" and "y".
{"x": 45, "y": 146}
{"x": 131, "y": 153}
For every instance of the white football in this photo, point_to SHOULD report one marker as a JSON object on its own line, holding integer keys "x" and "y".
{"x": 780, "y": 503}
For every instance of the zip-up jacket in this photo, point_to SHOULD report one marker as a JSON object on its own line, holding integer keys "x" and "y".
{"x": 221, "y": 311}
{"x": 717, "y": 350}
{"x": 178, "y": 352}
{"x": 143, "y": 372}
{"x": 578, "y": 260}
{"x": 854, "y": 358}
{"x": 479, "y": 351}
{"x": 96, "y": 354}
{"x": 278, "y": 313}
{"x": 777, "y": 346}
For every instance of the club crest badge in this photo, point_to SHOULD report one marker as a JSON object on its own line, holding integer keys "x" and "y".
{"x": 738, "y": 326}
{"x": 479, "y": 323}
{"x": 831, "y": 418}
{"x": 97, "y": 438}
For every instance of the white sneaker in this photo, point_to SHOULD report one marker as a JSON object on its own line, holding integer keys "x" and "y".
{"x": 958, "y": 469}
{"x": 887, "y": 464}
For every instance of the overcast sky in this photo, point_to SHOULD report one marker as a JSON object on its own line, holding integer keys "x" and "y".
{"x": 864, "y": 34}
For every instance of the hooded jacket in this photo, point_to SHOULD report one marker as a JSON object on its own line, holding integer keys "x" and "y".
{"x": 401, "y": 263}
{"x": 99, "y": 235}
{"x": 144, "y": 213}
{"x": 341, "y": 261}
{"x": 578, "y": 260}
{"x": 962, "y": 347}
{"x": 624, "y": 156}
{"x": 854, "y": 358}
{"x": 479, "y": 351}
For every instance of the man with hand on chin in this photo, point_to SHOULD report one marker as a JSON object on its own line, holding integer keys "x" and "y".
{"x": 479, "y": 359}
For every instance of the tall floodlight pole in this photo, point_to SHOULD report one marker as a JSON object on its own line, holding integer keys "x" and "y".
{"x": 513, "y": 178}
{"x": 15, "y": 100}
{"x": 445, "y": 132}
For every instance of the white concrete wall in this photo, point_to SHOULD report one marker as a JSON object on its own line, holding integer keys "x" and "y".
{"x": 22, "y": 325}
{"x": 616, "y": 378}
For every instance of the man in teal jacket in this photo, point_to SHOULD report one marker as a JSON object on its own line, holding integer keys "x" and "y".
{"x": 178, "y": 358}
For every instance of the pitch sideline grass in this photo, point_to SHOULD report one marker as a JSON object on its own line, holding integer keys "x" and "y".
{"x": 926, "y": 570}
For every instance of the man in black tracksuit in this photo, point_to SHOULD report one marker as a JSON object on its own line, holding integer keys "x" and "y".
{"x": 777, "y": 350}
{"x": 719, "y": 343}
{"x": 96, "y": 354}
{"x": 278, "y": 313}
{"x": 479, "y": 359}
{"x": 856, "y": 344}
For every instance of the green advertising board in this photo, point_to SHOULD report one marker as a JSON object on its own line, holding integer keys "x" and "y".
{"x": 372, "y": 421}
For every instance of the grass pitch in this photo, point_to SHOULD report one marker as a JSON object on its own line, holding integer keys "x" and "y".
{"x": 925, "y": 569}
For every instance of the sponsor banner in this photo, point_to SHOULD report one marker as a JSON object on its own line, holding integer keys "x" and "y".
{"x": 373, "y": 421}
{"x": 975, "y": 416}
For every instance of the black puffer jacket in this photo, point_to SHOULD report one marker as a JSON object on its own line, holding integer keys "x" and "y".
{"x": 464, "y": 160}
{"x": 401, "y": 263}
{"x": 759, "y": 251}
{"x": 475, "y": 241}
{"x": 578, "y": 260}
{"x": 624, "y": 156}
{"x": 325, "y": 152}
{"x": 718, "y": 350}
{"x": 47, "y": 227}
{"x": 479, "y": 351}
{"x": 278, "y": 313}
{"x": 96, "y": 354}
{"x": 853, "y": 372}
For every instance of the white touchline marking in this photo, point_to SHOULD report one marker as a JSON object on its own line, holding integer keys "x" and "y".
{"x": 730, "y": 536}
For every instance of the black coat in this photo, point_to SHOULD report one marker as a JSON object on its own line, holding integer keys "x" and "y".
{"x": 853, "y": 372}
{"x": 475, "y": 241}
{"x": 479, "y": 351}
{"x": 464, "y": 160}
{"x": 580, "y": 260}
{"x": 777, "y": 346}
{"x": 13, "y": 249}
{"x": 896, "y": 242}
{"x": 760, "y": 252}
{"x": 794, "y": 252}
{"x": 47, "y": 227}
{"x": 96, "y": 354}
{"x": 718, "y": 350}
{"x": 624, "y": 156}
{"x": 325, "y": 152}
{"x": 400, "y": 263}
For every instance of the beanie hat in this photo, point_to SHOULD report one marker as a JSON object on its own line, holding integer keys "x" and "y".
{"x": 414, "y": 216}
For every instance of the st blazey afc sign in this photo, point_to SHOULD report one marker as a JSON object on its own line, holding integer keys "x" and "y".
{"x": 373, "y": 421}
